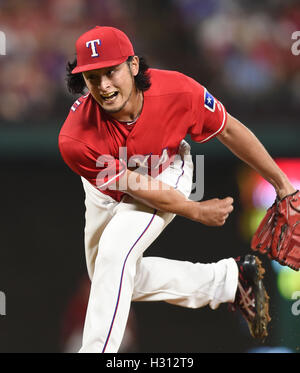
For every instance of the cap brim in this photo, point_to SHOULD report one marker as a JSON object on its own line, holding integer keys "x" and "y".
{"x": 98, "y": 65}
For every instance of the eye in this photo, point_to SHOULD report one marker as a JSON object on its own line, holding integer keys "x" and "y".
{"x": 110, "y": 72}
{"x": 91, "y": 77}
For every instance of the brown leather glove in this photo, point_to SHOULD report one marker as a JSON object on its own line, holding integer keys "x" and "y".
{"x": 278, "y": 234}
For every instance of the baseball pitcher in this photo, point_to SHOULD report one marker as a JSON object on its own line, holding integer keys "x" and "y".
{"x": 125, "y": 138}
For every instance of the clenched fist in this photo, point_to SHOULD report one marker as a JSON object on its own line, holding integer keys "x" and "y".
{"x": 213, "y": 212}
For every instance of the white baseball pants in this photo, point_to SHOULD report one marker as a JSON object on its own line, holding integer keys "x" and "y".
{"x": 116, "y": 236}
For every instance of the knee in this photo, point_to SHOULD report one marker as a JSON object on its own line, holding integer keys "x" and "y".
{"x": 117, "y": 259}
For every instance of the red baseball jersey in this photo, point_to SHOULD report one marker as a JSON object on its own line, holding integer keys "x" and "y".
{"x": 99, "y": 148}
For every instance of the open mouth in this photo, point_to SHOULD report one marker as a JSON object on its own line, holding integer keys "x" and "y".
{"x": 109, "y": 96}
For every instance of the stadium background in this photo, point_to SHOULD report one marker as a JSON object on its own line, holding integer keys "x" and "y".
{"x": 241, "y": 51}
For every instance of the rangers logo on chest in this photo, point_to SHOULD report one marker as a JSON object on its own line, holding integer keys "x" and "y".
{"x": 151, "y": 161}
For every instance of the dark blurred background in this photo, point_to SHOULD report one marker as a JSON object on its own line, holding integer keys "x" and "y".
{"x": 242, "y": 52}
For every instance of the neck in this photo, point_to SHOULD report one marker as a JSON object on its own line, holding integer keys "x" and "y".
{"x": 132, "y": 108}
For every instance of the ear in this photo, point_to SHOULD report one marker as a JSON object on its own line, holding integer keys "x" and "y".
{"x": 134, "y": 65}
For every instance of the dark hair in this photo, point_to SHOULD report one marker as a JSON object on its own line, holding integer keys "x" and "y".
{"x": 76, "y": 83}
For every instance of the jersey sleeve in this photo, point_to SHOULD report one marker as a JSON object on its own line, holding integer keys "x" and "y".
{"x": 208, "y": 114}
{"x": 99, "y": 169}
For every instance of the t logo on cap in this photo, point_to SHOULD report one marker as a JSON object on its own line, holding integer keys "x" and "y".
{"x": 92, "y": 43}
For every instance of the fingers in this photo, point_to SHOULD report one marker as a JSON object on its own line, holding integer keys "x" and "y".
{"x": 214, "y": 212}
{"x": 227, "y": 205}
{"x": 226, "y": 210}
{"x": 228, "y": 200}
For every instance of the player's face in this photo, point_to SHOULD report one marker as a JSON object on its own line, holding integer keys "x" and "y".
{"x": 113, "y": 87}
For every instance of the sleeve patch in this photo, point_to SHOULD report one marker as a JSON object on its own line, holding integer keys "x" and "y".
{"x": 209, "y": 101}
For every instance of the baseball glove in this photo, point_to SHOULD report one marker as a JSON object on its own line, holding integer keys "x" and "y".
{"x": 278, "y": 234}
